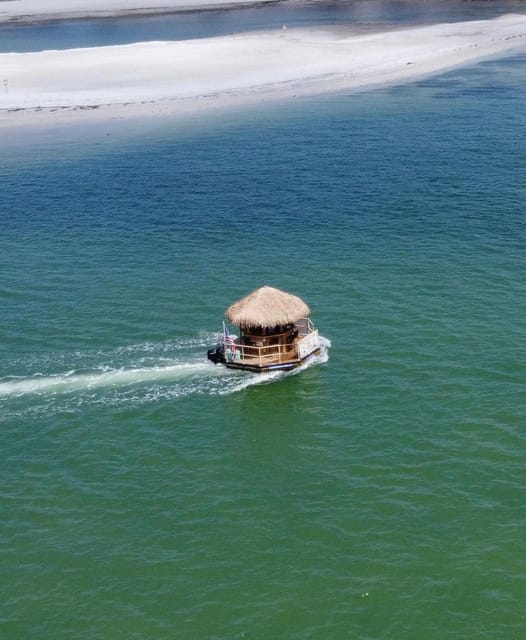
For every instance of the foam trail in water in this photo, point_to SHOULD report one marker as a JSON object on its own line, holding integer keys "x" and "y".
{"x": 71, "y": 381}
{"x": 187, "y": 376}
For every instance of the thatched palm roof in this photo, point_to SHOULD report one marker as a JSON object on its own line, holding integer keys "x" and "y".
{"x": 267, "y": 307}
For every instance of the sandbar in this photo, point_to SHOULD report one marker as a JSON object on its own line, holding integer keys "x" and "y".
{"x": 23, "y": 11}
{"x": 191, "y": 75}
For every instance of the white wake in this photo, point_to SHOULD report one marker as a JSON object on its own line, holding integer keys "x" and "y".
{"x": 72, "y": 381}
{"x": 153, "y": 374}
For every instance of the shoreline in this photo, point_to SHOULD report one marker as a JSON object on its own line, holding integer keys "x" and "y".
{"x": 13, "y": 12}
{"x": 188, "y": 77}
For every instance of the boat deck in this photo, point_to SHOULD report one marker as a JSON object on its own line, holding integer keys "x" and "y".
{"x": 268, "y": 348}
{"x": 285, "y": 350}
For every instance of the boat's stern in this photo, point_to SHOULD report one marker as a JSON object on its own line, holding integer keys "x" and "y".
{"x": 217, "y": 354}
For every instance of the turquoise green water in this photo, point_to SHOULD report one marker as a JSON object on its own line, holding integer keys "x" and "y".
{"x": 147, "y": 494}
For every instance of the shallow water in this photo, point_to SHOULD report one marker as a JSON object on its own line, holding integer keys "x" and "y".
{"x": 149, "y": 494}
{"x": 364, "y": 14}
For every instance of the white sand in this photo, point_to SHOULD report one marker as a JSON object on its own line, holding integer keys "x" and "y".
{"x": 189, "y": 75}
{"x": 37, "y": 10}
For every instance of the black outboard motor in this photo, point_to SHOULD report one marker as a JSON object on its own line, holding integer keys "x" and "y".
{"x": 217, "y": 354}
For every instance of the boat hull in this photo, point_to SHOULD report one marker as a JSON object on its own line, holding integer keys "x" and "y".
{"x": 217, "y": 357}
{"x": 281, "y": 366}
{"x": 274, "y": 350}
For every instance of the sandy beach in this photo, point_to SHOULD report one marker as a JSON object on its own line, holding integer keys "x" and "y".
{"x": 39, "y": 11}
{"x": 190, "y": 75}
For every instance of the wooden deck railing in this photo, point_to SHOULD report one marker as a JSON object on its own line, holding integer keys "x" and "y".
{"x": 261, "y": 354}
{"x": 276, "y": 347}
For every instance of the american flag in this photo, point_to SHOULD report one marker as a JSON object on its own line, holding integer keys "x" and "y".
{"x": 230, "y": 340}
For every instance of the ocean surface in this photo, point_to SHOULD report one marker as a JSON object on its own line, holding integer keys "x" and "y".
{"x": 147, "y": 494}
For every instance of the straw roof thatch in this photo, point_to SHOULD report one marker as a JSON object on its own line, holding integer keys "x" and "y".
{"x": 267, "y": 307}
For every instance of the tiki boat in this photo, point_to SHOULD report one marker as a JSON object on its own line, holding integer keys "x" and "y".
{"x": 275, "y": 332}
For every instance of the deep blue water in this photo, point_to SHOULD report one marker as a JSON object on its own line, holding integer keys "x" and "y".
{"x": 148, "y": 494}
